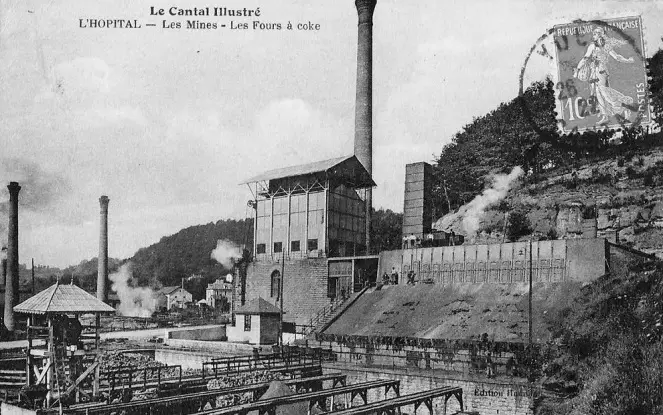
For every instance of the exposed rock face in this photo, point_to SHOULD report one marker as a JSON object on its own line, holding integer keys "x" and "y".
{"x": 622, "y": 203}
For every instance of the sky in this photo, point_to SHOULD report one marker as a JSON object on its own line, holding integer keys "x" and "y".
{"x": 169, "y": 122}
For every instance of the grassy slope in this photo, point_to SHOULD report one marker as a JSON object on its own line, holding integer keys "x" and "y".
{"x": 611, "y": 359}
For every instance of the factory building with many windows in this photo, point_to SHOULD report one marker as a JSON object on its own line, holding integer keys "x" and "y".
{"x": 310, "y": 239}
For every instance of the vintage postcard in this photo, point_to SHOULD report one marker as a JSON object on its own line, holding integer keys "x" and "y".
{"x": 331, "y": 207}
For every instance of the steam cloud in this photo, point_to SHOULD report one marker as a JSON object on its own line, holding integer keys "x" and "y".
{"x": 134, "y": 301}
{"x": 225, "y": 252}
{"x": 493, "y": 194}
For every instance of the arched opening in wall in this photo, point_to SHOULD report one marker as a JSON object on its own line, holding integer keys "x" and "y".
{"x": 276, "y": 285}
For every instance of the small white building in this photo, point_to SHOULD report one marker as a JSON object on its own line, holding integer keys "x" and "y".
{"x": 256, "y": 322}
{"x": 171, "y": 297}
{"x": 219, "y": 294}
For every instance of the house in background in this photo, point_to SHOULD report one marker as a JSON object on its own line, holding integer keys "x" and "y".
{"x": 219, "y": 294}
{"x": 171, "y": 297}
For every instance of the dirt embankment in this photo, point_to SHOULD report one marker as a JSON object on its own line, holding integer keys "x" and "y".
{"x": 454, "y": 312}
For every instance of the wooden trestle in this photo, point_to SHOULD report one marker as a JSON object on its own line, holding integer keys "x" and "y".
{"x": 392, "y": 406}
{"x": 200, "y": 399}
{"x": 268, "y": 406}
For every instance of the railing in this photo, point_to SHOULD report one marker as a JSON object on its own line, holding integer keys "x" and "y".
{"x": 228, "y": 365}
{"x": 128, "y": 376}
{"x": 321, "y": 315}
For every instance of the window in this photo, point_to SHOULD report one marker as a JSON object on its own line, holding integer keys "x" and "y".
{"x": 294, "y": 246}
{"x": 260, "y": 248}
{"x": 276, "y": 284}
{"x": 247, "y": 322}
{"x": 278, "y": 247}
{"x": 312, "y": 244}
{"x": 332, "y": 282}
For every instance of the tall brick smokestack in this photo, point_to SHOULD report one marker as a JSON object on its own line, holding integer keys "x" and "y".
{"x": 102, "y": 270}
{"x": 3, "y": 263}
{"x": 364, "y": 99}
{"x": 11, "y": 281}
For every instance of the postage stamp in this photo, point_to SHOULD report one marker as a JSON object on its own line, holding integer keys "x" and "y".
{"x": 601, "y": 75}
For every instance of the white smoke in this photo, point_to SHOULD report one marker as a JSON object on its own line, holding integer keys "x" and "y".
{"x": 225, "y": 252}
{"x": 501, "y": 183}
{"x": 134, "y": 301}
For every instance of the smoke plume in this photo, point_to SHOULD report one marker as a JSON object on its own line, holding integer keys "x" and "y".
{"x": 501, "y": 183}
{"x": 225, "y": 252}
{"x": 134, "y": 301}
{"x": 39, "y": 189}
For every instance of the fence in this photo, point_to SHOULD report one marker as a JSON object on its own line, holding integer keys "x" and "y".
{"x": 459, "y": 356}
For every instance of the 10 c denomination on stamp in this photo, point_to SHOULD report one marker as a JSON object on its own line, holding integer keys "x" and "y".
{"x": 601, "y": 75}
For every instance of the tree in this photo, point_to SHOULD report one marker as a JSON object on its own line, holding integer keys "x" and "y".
{"x": 386, "y": 230}
{"x": 518, "y": 225}
{"x": 187, "y": 252}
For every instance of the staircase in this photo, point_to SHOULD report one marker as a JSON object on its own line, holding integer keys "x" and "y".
{"x": 324, "y": 317}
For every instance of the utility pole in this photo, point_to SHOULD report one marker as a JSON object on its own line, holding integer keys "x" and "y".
{"x": 530, "y": 293}
{"x": 281, "y": 298}
{"x": 33, "y": 276}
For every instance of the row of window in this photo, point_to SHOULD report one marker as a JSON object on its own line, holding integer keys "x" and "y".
{"x": 296, "y": 219}
{"x": 312, "y": 245}
{"x": 297, "y": 204}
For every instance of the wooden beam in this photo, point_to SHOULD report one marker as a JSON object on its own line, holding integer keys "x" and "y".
{"x": 83, "y": 375}
{"x": 40, "y": 376}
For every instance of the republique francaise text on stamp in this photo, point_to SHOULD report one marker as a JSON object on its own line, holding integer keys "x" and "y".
{"x": 601, "y": 75}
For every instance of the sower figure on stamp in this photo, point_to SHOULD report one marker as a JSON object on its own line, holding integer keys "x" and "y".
{"x": 593, "y": 68}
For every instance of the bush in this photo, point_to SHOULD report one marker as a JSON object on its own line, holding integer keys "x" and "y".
{"x": 630, "y": 172}
{"x": 649, "y": 179}
{"x": 518, "y": 225}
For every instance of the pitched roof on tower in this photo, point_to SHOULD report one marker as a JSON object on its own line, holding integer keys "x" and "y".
{"x": 347, "y": 167}
{"x": 63, "y": 298}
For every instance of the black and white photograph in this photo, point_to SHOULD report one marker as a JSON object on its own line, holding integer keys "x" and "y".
{"x": 344, "y": 207}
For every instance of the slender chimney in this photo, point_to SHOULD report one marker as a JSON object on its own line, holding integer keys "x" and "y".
{"x": 3, "y": 262}
{"x": 11, "y": 281}
{"x": 364, "y": 100}
{"x": 102, "y": 270}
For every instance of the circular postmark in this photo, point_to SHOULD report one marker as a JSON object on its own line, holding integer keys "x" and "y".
{"x": 599, "y": 74}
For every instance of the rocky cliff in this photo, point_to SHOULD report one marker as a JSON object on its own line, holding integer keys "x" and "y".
{"x": 621, "y": 199}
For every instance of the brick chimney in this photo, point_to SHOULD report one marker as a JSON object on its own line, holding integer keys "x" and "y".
{"x": 364, "y": 99}
{"x": 11, "y": 280}
{"x": 102, "y": 270}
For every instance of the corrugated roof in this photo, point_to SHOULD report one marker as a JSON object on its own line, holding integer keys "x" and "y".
{"x": 63, "y": 299}
{"x": 258, "y": 306}
{"x": 298, "y": 170}
{"x": 346, "y": 166}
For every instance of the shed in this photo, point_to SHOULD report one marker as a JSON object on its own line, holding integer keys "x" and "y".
{"x": 256, "y": 322}
{"x": 59, "y": 346}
